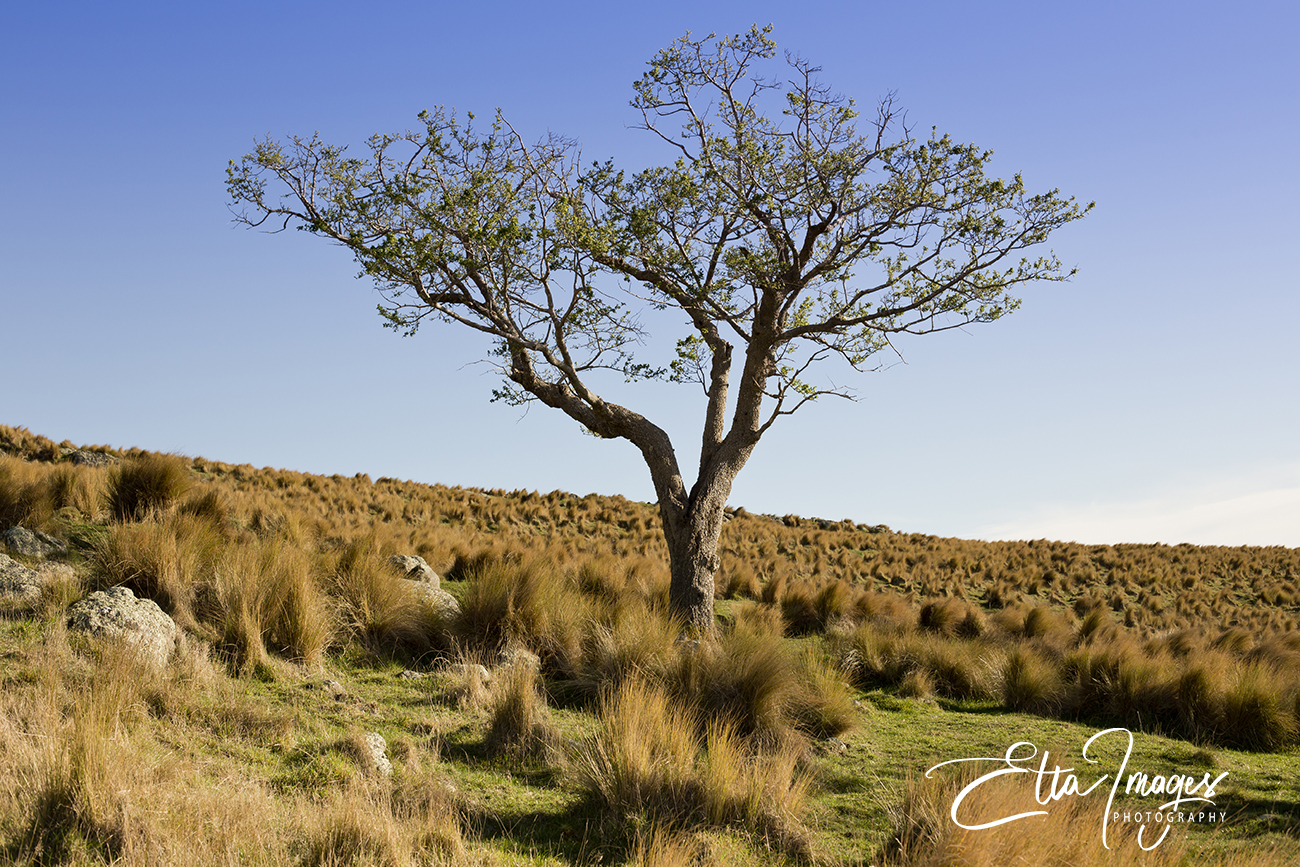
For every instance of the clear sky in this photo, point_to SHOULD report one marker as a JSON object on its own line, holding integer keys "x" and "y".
{"x": 1153, "y": 398}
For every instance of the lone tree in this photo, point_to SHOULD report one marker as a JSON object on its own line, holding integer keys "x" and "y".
{"x": 786, "y": 235}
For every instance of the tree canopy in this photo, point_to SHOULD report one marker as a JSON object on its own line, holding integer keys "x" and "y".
{"x": 787, "y": 231}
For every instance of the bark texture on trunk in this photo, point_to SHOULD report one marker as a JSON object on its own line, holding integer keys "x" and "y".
{"x": 692, "y": 536}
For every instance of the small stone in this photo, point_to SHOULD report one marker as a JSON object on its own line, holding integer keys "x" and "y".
{"x": 444, "y": 605}
{"x": 333, "y": 687}
{"x": 513, "y": 656}
{"x": 376, "y": 754}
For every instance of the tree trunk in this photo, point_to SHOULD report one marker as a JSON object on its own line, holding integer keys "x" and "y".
{"x": 693, "y": 560}
{"x": 692, "y": 535}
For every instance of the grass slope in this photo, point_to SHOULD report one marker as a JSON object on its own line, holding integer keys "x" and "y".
{"x": 558, "y": 718}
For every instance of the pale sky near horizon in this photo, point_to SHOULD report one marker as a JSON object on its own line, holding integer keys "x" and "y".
{"x": 1152, "y": 398}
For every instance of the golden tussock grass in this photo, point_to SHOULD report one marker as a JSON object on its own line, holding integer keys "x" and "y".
{"x": 271, "y": 570}
{"x": 378, "y": 608}
{"x": 368, "y": 824}
{"x": 520, "y": 724}
{"x": 529, "y": 602}
{"x": 924, "y": 834}
{"x": 166, "y": 558}
{"x": 662, "y": 847}
{"x": 25, "y": 497}
{"x": 754, "y": 683}
{"x": 268, "y": 599}
{"x": 649, "y": 759}
{"x": 145, "y": 483}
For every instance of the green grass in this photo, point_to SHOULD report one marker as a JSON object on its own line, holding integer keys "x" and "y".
{"x": 286, "y": 738}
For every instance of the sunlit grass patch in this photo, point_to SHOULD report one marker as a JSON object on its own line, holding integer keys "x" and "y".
{"x": 648, "y": 762}
{"x": 377, "y": 608}
{"x": 150, "y": 481}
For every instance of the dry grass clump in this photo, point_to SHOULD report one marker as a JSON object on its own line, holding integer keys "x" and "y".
{"x": 32, "y": 494}
{"x": 520, "y": 724}
{"x": 810, "y": 607}
{"x": 63, "y": 586}
{"x": 430, "y": 812}
{"x": 643, "y": 643}
{"x": 531, "y": 603}
{"x": 81, "y": 489}
{"x": 166, "y": 558}
{"x": 647, "y": 762}
{"x": 951, "y": 667}
{"x": 1213, "y": 696}
{"x": 1031, "y": 683}
{"x": 758, "y": 618}
{"x": 253, "y": 596}
{"x": 1230, "y": 689}
{"x": 661, "y": 847}
{"x": 25, "y": 496}
{"x": 759, "y": 687}
{"x": 642, "y": 759}
{"x": 924, "y": 834}
{"x": 471, "y": 685}
{"x": 212, "y": 506}
{"x": 269, "y": 600}
{"x": 24, "y": 444}
{"x": 951, "y": 616}
{"x": 368, "y": 824}
{"x": 150, "y": 481}
{"x": 1096, "y": 627}
{"x": 617, "y": 581}
{"x": 825, "y": 705}
{"x": 738, "y": 579}
{"x": 1259, "y": 709}
{"x": 377, "y": 607}
{"x": 78, "y": 773}
{"x": 595, "y": 628}
{"x": 74, "y": 807}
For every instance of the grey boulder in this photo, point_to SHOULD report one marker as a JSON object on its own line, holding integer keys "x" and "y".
{"x": 33, "y": 543}
{"x": 513, "y": 656}
{"x": 443, "y": 604}
{"x": 375, "y": 754}
{"x": 117, "y": 615}
{"x": 415, "y": 569}
{"x": 87, "y": 458}
{"x": 20, "y": 587}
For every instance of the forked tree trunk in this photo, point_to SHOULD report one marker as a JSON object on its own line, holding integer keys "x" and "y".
{"x": 692, "y": 521}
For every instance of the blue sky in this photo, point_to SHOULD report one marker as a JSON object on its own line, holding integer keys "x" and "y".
{"x": 1153, "y": 398}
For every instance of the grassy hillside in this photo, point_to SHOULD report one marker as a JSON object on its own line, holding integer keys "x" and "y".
{"x": 559, "y": 717}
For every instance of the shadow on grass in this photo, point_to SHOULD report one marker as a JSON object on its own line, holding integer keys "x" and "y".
{"x": 1259, "y": 816}
{"x": 573, "y": 835}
